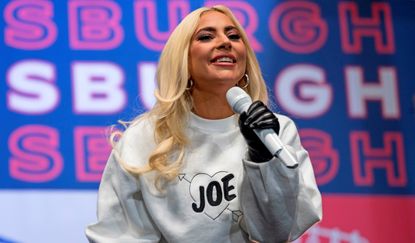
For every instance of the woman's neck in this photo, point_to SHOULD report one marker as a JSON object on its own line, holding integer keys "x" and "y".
{"x": 211, "y": 105}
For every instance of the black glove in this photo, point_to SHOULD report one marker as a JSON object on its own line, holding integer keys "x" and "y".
{"x": 257, "y": 116}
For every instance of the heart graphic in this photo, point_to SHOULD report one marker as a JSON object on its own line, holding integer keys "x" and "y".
{"x": 212, "y": 202}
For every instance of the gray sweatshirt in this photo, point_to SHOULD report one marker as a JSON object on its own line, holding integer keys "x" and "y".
{"x": 219, "y": 196}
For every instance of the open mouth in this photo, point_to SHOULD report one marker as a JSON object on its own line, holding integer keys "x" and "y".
{"x": 223, "y": 59}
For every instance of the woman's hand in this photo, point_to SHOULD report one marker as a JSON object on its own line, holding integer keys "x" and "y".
{"x": 258, "y": 116}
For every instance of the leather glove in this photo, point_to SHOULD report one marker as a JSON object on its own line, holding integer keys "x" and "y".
{"x": 257, "y": 116}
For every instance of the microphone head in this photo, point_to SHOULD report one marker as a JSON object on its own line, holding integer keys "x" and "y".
{"x": 238, "y": 99}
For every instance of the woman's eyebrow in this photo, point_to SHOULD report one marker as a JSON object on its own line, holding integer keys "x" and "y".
{"x": 208, "y": 28}
{"x": 230, "y": 27}
{"x": 212, "y": 29}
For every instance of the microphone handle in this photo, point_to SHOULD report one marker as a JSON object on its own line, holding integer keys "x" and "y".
{"x": 273, "y": 143}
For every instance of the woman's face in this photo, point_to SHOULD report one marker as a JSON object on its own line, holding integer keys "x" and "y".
{"x": 217, "y": 56}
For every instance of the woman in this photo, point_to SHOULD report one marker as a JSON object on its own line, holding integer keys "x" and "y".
{"x": 190, "y": 169}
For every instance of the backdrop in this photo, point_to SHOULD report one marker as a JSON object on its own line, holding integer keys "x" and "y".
{"x": 342, "y": 70}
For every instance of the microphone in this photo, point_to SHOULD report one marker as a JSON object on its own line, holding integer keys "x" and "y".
{"x": 240, "y": 101}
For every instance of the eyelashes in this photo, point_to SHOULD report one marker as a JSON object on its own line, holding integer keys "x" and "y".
{"x": 234, "y": 37}
{"x": 208, "y": 37}
{"x": 204, "y": 38}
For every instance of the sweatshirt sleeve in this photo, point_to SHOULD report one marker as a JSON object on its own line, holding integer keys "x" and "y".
{"x": 122, "y": 214}
{"x": 280, "y": 203}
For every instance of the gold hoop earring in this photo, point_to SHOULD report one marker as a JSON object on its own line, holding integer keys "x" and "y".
{"x": 190, "y": 84}
{"x": 246, "y": 81}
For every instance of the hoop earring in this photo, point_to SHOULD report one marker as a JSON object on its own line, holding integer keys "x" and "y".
{"x": 246, "y": 81}
{"x": 190, "y": 84}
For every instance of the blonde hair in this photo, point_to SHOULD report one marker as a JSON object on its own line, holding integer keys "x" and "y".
{"x": 174, "y": 102}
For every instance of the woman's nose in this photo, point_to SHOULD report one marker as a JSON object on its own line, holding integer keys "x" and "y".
{"x": 225, "y": 43}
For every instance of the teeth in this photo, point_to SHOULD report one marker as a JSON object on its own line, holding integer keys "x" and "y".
{"x": 224, "y": 59}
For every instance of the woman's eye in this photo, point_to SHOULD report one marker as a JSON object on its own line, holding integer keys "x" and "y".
{"x": 234, "y": 37}
{"x": 204, "y": 37}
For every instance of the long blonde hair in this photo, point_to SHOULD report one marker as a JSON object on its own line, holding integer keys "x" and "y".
{"x": 174, "y": 102}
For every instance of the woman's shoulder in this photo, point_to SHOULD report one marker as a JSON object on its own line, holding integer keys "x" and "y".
{"x": 284, "y": 120}
{"x": 141, "y": 127}
{"x": 137, "y": 141}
